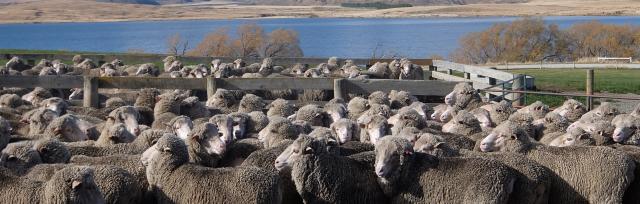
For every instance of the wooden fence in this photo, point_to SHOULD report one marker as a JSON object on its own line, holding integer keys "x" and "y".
{"x": 340, "y": 86}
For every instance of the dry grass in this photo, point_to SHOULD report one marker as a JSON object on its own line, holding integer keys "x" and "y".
{"x": 90, "y": 11}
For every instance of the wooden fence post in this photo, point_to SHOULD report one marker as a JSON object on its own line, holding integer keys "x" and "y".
{"x": 90, "y": 92}
{"x": 518, "y": 85}
{"x": 211, "y": 86}
{"x": 339, "y": 90}
{"x": 589, "y": 88}
{"x": 467, "y": 75}
{"x": 450, "y": 71}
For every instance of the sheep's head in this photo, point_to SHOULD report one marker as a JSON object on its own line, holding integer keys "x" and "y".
{"x": 313, "y": 114}
{"x": 407, "y": 67}
{"x": 19, "y": 157}
{"x": 555, "y": 122}
{"x": 507, "y": 137}
{"x": 277, "y": 130}
{"x": 239, "y": 124}
{"x": 433, "y": 145}
{"x": 358, "y": 105}
{"x": 483, "y": 116}
{"x": 39, "y": 120}
{"x": 412, "y": 134}
{"x": 572, "y": 110}
{"x": 464, "y": 123}
{"x": 73, "y": 184}
{"x": 399, "y": 99}
{"x": 313, "y": 73}
{"x": 575, "y": 137}
{"x": 225, "y": 127}
{"x": 448, "y": 113}
{"x": 250, "y": 103}
{"x": 379, "y": 97}
{"x": 128, "y": 115}
{"x": 181, "y": 126}
{"x": 375, "y": 127}
{"x": 66, "y": 128}
{"x": 302, "y": 146}
{"x": 537, "y": 109}
{"x": 345, "y": 130}
{"x": 52, "y": 151}
{"x": 117, "y": 133}
{"x": 223, "y": 71}
{"x": 500, "y": 111}
{"x": 606, "y": 111}
{"x": 209, "y": 137}
{"x": 461, "y": 95}
{"x": 391, "y": 154}
{"x": 169, "y": 152}
{"x": 299, "y": 69}
{"x": 625, "y": 126}
{"x": 337, "y": 111}
{"x": 280, "y": 107}
{"x": 222, "y": 98}
{"x": 55, "y": 104}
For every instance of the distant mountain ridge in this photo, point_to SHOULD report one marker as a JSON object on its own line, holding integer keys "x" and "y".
{"x": 412, "y": 2}
{"x": 150, "y": 2}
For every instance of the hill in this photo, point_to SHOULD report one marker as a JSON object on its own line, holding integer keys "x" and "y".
{"x": 412, "y": 2}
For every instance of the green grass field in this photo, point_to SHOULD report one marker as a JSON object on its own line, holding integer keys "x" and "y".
{"x": 620, "y": 81}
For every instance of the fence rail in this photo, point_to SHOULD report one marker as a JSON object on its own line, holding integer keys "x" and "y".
{"x": 341, "y": 87}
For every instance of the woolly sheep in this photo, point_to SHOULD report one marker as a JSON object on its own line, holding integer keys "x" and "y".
{"x": 399, "y": 99}
{"x": 65, "y": 128}
{"x": 5, "y": 132}
{"x": 464, "y": 123}
{"x": 181, "y": 126}
{"x": 571, "y": 109}
{"x": 408, "y": 176}
{"x": 309, "y": 162}
{"x": 464, "y": 96}
{"x": 410, "y": 71}
{"x": 336, "y": 111}
{"x": 55, "y": 104}
{"x": 626, "y": 129}
{"x": 345, "y": 130}
{"x": 37, "y": 95}
{"x": 224, "y": 100}
{"x": 257, "y": 121}
{"x": 145, "y": 140}
{"x": 148, "y": 69}
{"x": 356, "y": 107}
{"x": 372, "y": 128}
{"x": 280, "y": 107}
{"x": 608, "y": 172}
{"x": 378, "y": 97}
{"x": 168, "y": 104}
{"x": 204, "y": 145}
{"x": 250, "y": 103}
{"x": 278, "y": 130}
{"x": 192, "y": 107}
{"x": 537, "y": 109}
{"x": 167, "y": 165}
{"x": 69, "y": 185}
{"x": 147, "y": 98}
{"x": 127, "y": 115}
{"x": 10, "y": 101}
{"x": 114, "y": 134}
{"x": 313, "y": 114}
{"x": 15, "y": 63}
{"x": 225, "y": 126}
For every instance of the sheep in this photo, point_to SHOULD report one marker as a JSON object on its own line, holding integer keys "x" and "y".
{"x": 15, "y": 63}
{"x": 69, "y": 185}
{"x": 5, "y": 132}
{"x": 66, "y": 128}
{"x": 378, "y": 109}
{"x": 303, "y": 127}
{"x": 239, "y": 150}
{"x": 180, "y": 125}
{"x": 601, "y": 177}
{"x": 533, "y": 180}
{"x": 626, "y": 129}
{"x": 553, "y": 122}
{"x": 395, "y": 69}
{"x": 276, "y": 131}
{"x": 537, "y": 109}
{"x": 86, "y": 64}
{"x": 250, "y": 103}
{"x": 499, "y": 112}
{"x": 55, "y": 104}
{"x": 148, "y": 69}
{"x": 299, "y": 69}
{"x": 605, "y": 112}
{"x": 37, "y": 95}
{"x": 167, "y": 166}
{"x": 336, "y": 111}
{"x": 240, "y": 121}
{"x": 205, "y": 146}
{"x": 407, "y": 118}
{"x": 379, "y": 70}
{"x": 313, "y": 114}
{"x": 372, "y": 128}
{"x": 410, "y": 71}
{"x": 280, "y": 107}
{"x": 168, "y": 104}
{"x": 192, "y": 107}
{"x": 378, "y": 97}
{"x": 139, "y": 145}
{"x": 310, "y": 161}
{"x": 10, "y": 101}
{"x": 265, "y": 158}
{"x": 399, "y": 99}
{"x": 408, "y": 176}
{"x": 571, "y": 109}
{"x": 464, "y": 123}
{"x": 345, "y": 130}
{"x": 257, "y": 121}
{"x": 146, "y": 98}
{"x": 225, "y": 126}
{"x": 224, "y": 100}
{"x": 114, "y": 134}
{"x": 127, "y": 115}
{"x": 464, "y": 96}
{"x": 575, "y": 137}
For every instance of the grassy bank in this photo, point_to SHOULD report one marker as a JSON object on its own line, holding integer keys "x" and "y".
{"x": 619, "y": 81}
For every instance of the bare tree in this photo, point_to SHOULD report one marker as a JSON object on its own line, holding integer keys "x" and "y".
{"x": 281, "y": 43}
{"x": 250, "y": 38}
{"x": 176, "y": 45}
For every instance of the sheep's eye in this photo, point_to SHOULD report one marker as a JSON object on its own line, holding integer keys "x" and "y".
{"x": 460, "y": 122}
{"x": 499, "y": 111}
{"x": 569, "y": 139}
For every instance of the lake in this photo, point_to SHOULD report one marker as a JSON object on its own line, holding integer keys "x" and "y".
{"x": 319, "y": 37}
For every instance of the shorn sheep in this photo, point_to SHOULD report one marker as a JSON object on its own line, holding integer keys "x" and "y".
{"x": 167, "y": 167}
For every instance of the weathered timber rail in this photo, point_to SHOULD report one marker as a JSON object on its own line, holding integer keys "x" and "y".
{"x": 340, "y": 86}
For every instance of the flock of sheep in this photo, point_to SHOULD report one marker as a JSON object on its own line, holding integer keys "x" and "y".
{"x": 237, "y": 147}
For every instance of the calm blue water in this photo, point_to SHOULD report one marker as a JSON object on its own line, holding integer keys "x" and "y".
{"x": 318, "y": 37}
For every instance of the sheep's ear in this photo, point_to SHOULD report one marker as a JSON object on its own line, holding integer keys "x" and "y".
{"x": 76, "y": 184}
{"x": 110, "y": 118}
{"x": 57, "y": 131}
{"x": 166, "y": 149}
{"x": 440, "y": 145}
{"x": 308, "y": 150}
{"x": 513, "y": 137}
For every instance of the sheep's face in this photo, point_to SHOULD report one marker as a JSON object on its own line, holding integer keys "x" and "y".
{"x": 390, "y": 156}
{"x": 304, "y": 145}
{"x": 299, "y": 69}
{"x": 572, "y": 139}
{"x": 571, "y": 109}
{"x": 336, "y": 111}
{"x": 182, "y": 127}
{"x": 344, "y": 130}
{"x": 75, "y": 183}
{"x": 463, "y": 123}
{"x": 60, "y": 68}
{"x": 127, "y": 115}
{"x": 537, "y": 110}
{"x": 483, "y": 117}
{"x": 505, "y": 137}
{"x": 55, "y": 104}
{"x": 39, "y": 120}
{"x": 118, "y": 133}
{"x": 447, "y": 115}
{"x": 431, "y": 144}
{"x": 407, "y": 68}
{"x": 624, "y": 128}
{"x": 19, "y": 157}
{"x": 76, "y": 94}
{"x": 375, "y": 126}
{"x": 225, "y": 127}
{"x": 169, "y": 152}
{"x": 143, "y": 69}
{"x": 412, "y": 134}
{"x": 10, "y": 101}
{"x": 239, "y": 127}
{"x": 210, "y": 138}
